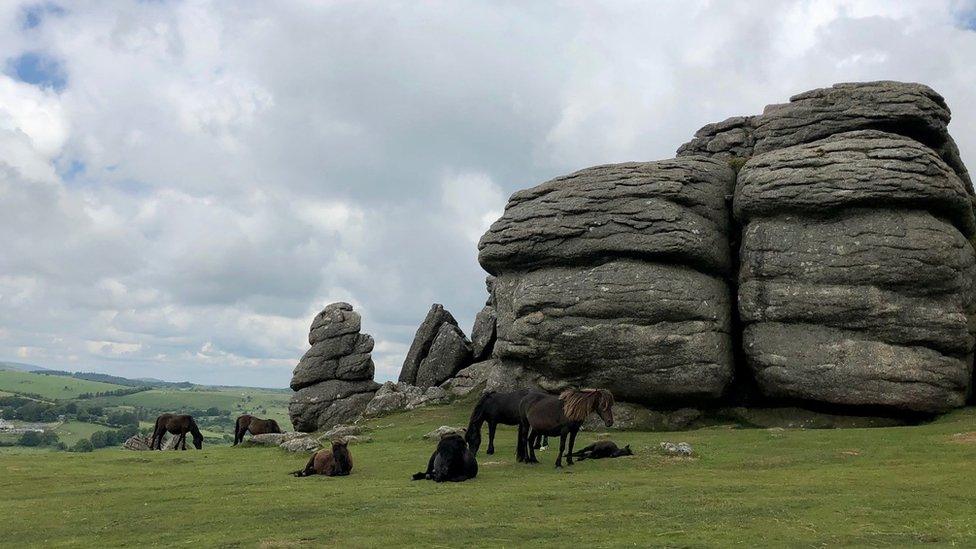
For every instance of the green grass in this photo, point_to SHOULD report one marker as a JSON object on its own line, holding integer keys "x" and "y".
{"x": 749, "y": 487}
{"x": 53, "y": 387}
{"x": 70, "y": 432}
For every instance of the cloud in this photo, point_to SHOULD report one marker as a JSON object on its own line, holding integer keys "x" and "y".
{"x": 183, "y": 185}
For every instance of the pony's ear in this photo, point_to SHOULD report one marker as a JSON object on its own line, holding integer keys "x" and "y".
{"x": 627, "y": 447}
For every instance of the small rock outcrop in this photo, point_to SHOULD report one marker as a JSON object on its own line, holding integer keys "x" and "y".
{"x": 396, "y": 397}
{"x": 438, "y": 351}
{"x": 138, "y": 443}
{"x": 334, "y": 379}
{"x": 615, "y": 277}
{"x": 483, "y": 332}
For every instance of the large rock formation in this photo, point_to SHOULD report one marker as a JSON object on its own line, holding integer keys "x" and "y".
{"x": 614, "y": 276}
{"x": 848, "y": 255}
{"x": 334, "y": 380}
{"x": 439, "y": 350}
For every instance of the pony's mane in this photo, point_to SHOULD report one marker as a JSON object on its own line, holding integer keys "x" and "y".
{"x": 578, "y": 404}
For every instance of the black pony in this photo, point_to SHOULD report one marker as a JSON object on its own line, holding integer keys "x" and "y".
{"x": 496, "y": 408}
{"x": 602, "y": 449}
{"x": 453, "y": 461}
{"x": 178, "y": 426}
{"x": 563, "y": 416}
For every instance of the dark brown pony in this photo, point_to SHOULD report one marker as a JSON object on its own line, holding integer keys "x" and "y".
{"x": 544, "y": 414}
{"x": 336, "y": 462}
{"x": 256, "y": 426}
{"x": 178, "y": 426}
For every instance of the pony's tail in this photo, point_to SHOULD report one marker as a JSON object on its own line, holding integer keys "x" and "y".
{"x": 237, "y": 431}
{"x": 473, "y": 435}
{"x": 152, "y": 441}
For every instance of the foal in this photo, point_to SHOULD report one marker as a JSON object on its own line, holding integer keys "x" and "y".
{"x": 336, "y": 462}
{"x": 543, "y": 414}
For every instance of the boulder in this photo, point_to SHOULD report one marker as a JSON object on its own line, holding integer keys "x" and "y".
{"x": 615, "y": 277}
{"x": 445, "y": 430}
{"x": 856, "y": 273}
{"x": 483, "y": 334}
{"x": 334, "y": 379}
{"x": 328, "y": 403}
{"x": 267, "y": 439}
{"x": 681, "y": 449}
{"x": 494, "y": 375}
{"x": 400, "y": 396}
{"x": 301, "y": 444}
{"x": 449, "y": 352}
{"x": 423, "y": 340}
{"x": 137, "y": 443}
{"x": 340, "y": 431}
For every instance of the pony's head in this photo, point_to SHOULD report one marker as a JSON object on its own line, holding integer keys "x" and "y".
{"x": 198, "y": 440}
{"x": 627, "y": 451}
{"x": 339, "y": 444}
{"x": 578, "y": 404}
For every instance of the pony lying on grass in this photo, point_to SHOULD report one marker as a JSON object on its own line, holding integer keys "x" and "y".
{"x": 543, "y": 414}
{"x": 176, "y": 425}
{"x": 602, "y": 449}
{"x": 452, "y": 461}
{"x": 256, "y": 426}
{"x": 336, "y": 462}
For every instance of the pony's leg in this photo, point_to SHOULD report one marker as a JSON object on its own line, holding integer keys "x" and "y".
{"x": 572, "y": 442}
{"x": 528, "y": 445}
{"x": 491, "y": 437}
{"x": 562, "y": 448}
{"x": 519, "y": 445}
{"x": 545, "y": 443}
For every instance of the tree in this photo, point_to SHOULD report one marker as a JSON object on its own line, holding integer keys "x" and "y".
{"x": 83, "y": 445}
{"x": 30, "y": 438}
{"x": 99, "y": 439}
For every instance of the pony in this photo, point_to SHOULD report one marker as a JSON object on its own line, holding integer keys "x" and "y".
{"x": 335, "y": 462}
{"x": 544, "y": 414}
{"x": 256, "y": 426}
{"x": 496, "y": 408}
{"x": 452, "y": 461}
{"x": 602, "y": 449}
{"x": 179, "y": 426}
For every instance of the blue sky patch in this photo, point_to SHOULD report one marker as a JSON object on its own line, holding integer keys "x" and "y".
{"x": 34, "y": 15}
{"x": 38, "y": 69}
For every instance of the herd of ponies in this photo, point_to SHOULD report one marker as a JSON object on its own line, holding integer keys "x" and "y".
{"x": 538, "y": 416}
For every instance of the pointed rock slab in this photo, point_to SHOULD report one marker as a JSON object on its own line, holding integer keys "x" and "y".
{"x": 449, "y": 352}
{"x": 337, "y": 319}
{"x": 483, "y": 334}
{"x": 423, "y": 340}
{"x": 329, "y": 403}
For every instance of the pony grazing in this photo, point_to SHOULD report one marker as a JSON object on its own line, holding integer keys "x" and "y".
{"x": 495, "y": 408}
{"x": 543, "y": 414}
{"x": 336, "y": 462}
{"x": 256, "y": 426}
{"x": 176, "y": 425}
{"x": 452, "y": 461}
{"x": 602, "y": 449}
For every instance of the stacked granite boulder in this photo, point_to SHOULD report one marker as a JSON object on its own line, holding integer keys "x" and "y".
{"x": 614, "y": 276}
{"x": 439, "y": 350}
{"x": 334, "y": 380}
{"x": 856, "y": 273}
{"x": 849, "y": 255}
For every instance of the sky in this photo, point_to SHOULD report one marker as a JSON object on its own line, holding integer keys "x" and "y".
{"x": 184, "y": 184}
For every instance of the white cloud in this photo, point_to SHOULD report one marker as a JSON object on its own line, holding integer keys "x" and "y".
{"x": 211, "y": 174}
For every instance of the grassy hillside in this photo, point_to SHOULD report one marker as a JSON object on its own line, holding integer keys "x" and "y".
{"x": 887, "y": 487}
{"x": 53, "y": 387}
{"x": 71, "y": 432}
{"x": 235, "y": 400}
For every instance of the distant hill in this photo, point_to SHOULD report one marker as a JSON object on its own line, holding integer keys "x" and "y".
{"x": 20, "y": 367}
{"x": 51, "y": 387}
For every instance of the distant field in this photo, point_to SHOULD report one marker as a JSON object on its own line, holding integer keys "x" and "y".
{"x": 236, "y": 401}
{"x": 73, "y": 431}
{"x": 890, "y": 487}
{"x": 53, "y": 387}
